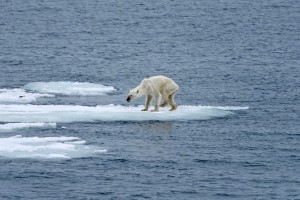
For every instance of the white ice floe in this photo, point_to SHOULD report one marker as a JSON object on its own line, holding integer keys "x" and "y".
{"x": 47, "y": 147}
{"x": 19, "y": 96}
{"x": 16, "y": 126}
{"x": 69, "y": 88}
{"x": 70, "y": 113}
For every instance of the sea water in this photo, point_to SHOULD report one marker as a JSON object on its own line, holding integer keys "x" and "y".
{"x": 67, "y": 131}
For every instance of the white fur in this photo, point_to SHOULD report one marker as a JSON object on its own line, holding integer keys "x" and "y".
{"x": 159, "y": 87}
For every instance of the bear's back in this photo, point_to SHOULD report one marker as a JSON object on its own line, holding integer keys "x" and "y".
{"x": 159, "y": 77}
{"x": 163, "y": 81}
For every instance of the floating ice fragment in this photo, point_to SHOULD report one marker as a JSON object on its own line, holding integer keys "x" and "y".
{"x": 69, "y": 88}
{"x": 46, "y": 147}
{"x": 19, "y": 96}
{"x": 16, "y": 126}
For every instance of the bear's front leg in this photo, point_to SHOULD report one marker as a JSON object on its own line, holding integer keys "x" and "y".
{"x": 147, "y": 102}
{"x": 156, "y": 104}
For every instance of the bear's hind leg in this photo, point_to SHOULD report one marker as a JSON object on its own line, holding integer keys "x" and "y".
{"x": 171, "y": 102}
{"x": 166, "y": 100}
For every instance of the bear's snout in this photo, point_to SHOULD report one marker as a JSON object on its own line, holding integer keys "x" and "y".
{"x": 128, "y": 98}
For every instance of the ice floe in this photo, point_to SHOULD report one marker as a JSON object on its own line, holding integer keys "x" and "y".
{"x": 47, "y": 147}
{"x": 75, "y": 113}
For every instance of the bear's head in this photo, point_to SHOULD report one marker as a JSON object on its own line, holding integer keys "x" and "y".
{"x": 134, "y": 93}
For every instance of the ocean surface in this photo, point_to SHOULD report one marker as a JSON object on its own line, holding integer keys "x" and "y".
{"x": 67, "y": 131}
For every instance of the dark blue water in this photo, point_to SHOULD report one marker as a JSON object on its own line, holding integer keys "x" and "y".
{"x": 221, "y": 53}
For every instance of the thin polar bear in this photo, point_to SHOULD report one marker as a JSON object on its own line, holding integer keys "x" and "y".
{"x": 157, "y": 87}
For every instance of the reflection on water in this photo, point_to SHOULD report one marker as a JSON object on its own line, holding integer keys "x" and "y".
{"x": 159, "y": 127}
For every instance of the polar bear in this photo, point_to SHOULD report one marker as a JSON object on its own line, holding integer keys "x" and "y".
{"x": 159, "y": 87}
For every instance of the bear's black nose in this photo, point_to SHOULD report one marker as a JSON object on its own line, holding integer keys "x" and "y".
{"x": 128, "y": 99}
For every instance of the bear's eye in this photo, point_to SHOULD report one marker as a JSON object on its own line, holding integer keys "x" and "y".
{"x": 137, "y": 91}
